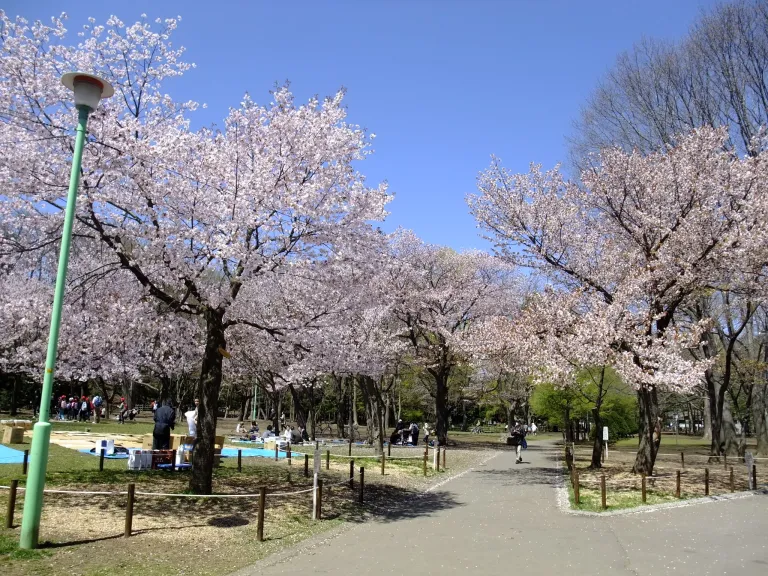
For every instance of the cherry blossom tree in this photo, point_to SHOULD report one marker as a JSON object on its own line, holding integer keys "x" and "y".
{"x": 644, "y": 233}
{"x": 436, "y": 294}
{"x": 192, "y": 216}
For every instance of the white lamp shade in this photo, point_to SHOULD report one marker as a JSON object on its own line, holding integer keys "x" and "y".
{"x": 88, "y": 89}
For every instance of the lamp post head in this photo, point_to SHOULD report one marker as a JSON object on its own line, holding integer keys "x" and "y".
{"x": 88, "y": 89}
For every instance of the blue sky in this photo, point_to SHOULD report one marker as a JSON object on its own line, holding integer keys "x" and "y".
{"x": 442, "y": 83}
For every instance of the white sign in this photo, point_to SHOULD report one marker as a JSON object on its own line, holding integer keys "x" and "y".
{"x": 317, "y": 462}
{"x": 605, "y": 433}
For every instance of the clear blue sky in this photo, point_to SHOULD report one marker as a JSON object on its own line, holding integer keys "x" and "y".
{"x": 442, "y": 83}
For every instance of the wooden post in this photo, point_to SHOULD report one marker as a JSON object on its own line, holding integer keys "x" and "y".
{"x": 276, "y": 449}
{"x": 754, "y": 476}
{"x": 682, "y": 460}
{"x": 239, "y": 460}
{"x": 602, "y": 491}
{"x": 173, "y": 460}
{"x": 362, "y": 483}
{"x": 382, "y": 464}
{"x": 11, "y": 504}
{"x": 306, "y": 465}
{"x": 437, "y": 459}
{"x": 425, "y": 464}
{"x": 25, "y": 462}
{"x": 677, "y": 485}
{"x": 725, "y": 461}
{"x": 101, "y": 459}
{"x": 319, "y": 509}
{"x": 706, "y": 481}
{"x": 262, "y": 504}
{"x": 327, "y": 459}
{"x": 733, "y": 487}
{"x": 576, "y": 488}
{"x": 444, "y": 449}
{"x": 129, "y": 510}
{"x": 643, "y": 488}
{"x": 288, "y": 455}
{"x": 350, "y": 440}
{"x": 317, "y": 444}
{"x": 351, "y": 473}
{"x": 602, "y": 452}
{"x": 389, "y": 448}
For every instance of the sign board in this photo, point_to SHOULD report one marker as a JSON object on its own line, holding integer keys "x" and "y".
{"x": 317, "y": 462}
{"x": 605, "y": 433}
{"x": 749, "y": 460}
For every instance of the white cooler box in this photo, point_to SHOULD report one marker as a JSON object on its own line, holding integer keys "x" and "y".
{"x": 139, "y": 459}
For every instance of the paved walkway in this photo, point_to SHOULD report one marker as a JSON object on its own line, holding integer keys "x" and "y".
{"x": 503, "y": 517}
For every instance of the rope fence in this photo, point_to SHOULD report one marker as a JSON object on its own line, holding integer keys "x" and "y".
{"x": 262, "y": 495}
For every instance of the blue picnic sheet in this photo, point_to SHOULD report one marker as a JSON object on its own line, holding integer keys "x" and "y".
{"x": 10, "y": 455}
{"x": 107, "y": 456}
{"x": 251, "y": 452}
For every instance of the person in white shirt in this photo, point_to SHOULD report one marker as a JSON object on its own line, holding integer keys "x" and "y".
{"x": 534, "y": 428}
{"x": 190, "y": 415}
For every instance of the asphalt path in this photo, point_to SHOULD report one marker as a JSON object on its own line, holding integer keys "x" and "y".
{"x": 504, "y": 517}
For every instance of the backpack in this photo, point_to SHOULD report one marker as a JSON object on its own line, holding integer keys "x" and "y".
{"x": 97, "y": 401}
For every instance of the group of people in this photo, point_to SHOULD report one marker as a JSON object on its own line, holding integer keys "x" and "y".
{"x": 81, "y": 409}
{"x": 290, "y": 434}
{"x": 408, "y": 434}
{"x": 165, "y": 421}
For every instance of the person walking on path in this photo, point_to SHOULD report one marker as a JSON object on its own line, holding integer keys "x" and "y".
{"x": 165, "y": 420}
{"x": 517, "y": 439}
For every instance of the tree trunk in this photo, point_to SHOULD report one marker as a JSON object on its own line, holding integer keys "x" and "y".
{"x": 301, "y": 417}
{"x": 201, "y": 479}
{"x": 354, "y": 405}
{"x": 567, "y": 424}
{"x": 374, "y": 412}
{"x": 244, "y": 401}
{"x": 760, "y": 417}
{"x": 597, "y": 447}
{"x": 14, "y": 394}
{"x": 707, "y": 420}
{"x": 441, "y": 405}
{"x": 339, "y": 385}
{"x": 648, "y": 407}
{"x": 729, "y": 439}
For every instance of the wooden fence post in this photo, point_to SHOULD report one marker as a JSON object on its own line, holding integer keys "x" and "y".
{"x": 754, "y": 476}
{"x": 389, "y": 448}
{"x": 351, "y": 473}
{"x": 288, "y": 455}
{"x": 101, "y": 459}
{"x": 383, "y": 458}
{"x": 306, "y": 465}
{"x": 677, "y": 485}
{"x": 444, "y": 449}
{"x": 25, "y": 462}
{"x": 602, "y": 491}
{"x": 733, "y": 487}
{"x": 11, "y": 504}
{"x": 129, "y": 511}
{"x": 725, "y": 461}
{"x": 350, "y": 441}
{"x": 576, "y": 488}
{"x": 327, "y": 459}
{"x": 276, "y": 449}
{"x": 319, "y": 510}
{"x": 643, "y": 488}
{"x": 425, "y": 465}
{"x": 682, "y": 460}
{"x": 362, "y": 483}
{"x": 706, "y": 481}
{"x": 262, "y": 504}
{"x": 239, "y": 460}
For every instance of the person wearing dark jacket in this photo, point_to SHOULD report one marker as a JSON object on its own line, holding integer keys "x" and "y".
{"x": 165, "y": 420}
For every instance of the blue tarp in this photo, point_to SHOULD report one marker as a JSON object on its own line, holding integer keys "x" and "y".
{"x": 251, "y": 452}
{"x": 10, "y": 455}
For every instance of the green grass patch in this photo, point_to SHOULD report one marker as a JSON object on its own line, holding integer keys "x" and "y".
{"x": 9, "y": 549}
{"x": 590, "y": 499}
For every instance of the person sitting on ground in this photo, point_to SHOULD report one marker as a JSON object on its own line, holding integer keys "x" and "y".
{"x": 240, "y": 428}
{"x": 268, "y": 433}
{"x": 295, "y": 436}
{"x": 287, "y": 434}
{"x": 165, "y": 421}
{"x": 304, "y": 434}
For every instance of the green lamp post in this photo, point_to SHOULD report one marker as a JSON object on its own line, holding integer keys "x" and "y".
{"x": 88, "y": 89}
